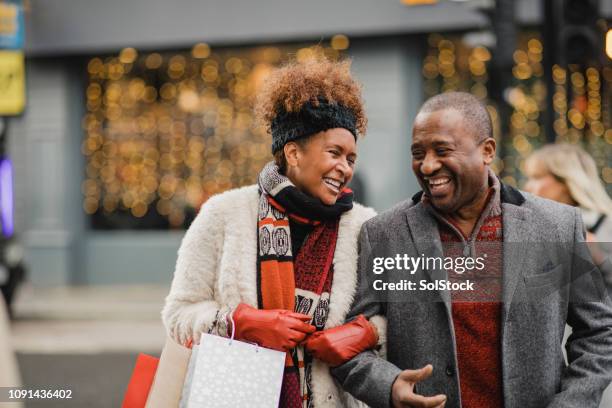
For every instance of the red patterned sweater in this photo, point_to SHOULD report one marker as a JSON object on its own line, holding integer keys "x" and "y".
{"x": 477, "y": 314}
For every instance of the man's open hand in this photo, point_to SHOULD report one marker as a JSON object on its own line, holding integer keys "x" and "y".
{"x": 402, "y": 391}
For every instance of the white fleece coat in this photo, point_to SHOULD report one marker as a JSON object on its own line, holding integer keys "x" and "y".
{"x": 217, "y": 268}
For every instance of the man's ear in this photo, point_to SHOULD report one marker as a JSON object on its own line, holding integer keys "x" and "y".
{"x": 488, "y": 148}
{"x": 291, "y": 153}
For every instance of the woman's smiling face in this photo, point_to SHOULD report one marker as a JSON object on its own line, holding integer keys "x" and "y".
{"x": 324, "y": 165}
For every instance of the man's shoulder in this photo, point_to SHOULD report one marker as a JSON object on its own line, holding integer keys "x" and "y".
{"x": 548, "y": 208}
{"x": 547, "y": 220}
{"x": 392, "y": 216}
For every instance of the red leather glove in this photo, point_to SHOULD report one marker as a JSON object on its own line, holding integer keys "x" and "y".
{"x": 276, "y": 329}
{"x": 338, "y": 345}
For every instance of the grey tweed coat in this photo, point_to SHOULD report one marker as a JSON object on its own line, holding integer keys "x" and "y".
{"x": 547, "y": 282}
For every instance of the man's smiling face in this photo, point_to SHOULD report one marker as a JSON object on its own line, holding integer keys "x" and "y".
{"x": 448, "y": 160}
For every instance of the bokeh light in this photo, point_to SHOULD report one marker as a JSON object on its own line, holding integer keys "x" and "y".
{"x": 166, "y": 131}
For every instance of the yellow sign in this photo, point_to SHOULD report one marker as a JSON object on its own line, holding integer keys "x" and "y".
{"x": 12, "y": 82}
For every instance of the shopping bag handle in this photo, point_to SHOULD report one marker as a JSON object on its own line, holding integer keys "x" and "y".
{"x": 231, "y": 319}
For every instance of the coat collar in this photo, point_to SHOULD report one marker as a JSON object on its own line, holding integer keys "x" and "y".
{"x": 516, "y": 224}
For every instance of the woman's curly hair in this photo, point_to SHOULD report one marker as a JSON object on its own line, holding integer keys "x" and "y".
{"x": 296, "y": 83}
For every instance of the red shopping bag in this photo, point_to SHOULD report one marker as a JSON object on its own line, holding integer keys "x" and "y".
{"x": 141, "y": 381}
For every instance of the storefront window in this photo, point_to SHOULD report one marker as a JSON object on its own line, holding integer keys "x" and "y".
{"x": 581, "y": 99}
{"x": 165, "y": 131}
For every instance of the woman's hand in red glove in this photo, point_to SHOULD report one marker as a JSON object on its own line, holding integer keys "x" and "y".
{"x": 338, "y": 345}
{"x": 276, "y": 329}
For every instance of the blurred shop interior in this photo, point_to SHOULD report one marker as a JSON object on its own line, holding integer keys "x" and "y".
{"x": 137, "y": 112}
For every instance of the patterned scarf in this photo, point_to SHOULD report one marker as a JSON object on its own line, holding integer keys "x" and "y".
{"x": 300, "y": 282}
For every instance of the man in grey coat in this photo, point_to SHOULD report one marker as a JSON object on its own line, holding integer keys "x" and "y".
{"x": 517, "y": 270}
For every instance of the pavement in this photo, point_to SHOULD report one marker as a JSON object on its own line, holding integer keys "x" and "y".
{"x": 85, "y": 339}
{"x": 88, "y": 319}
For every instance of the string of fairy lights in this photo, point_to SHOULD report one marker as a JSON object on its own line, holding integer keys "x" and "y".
{"x": 527, "y": 99}
{"x": 165, "y": 131}
{"x": 581, "y": 100}
{"x": 451, "y": 65}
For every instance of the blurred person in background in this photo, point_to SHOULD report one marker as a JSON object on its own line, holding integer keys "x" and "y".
{"x": 279, "y": 259}
{"x": 567, "y": 174}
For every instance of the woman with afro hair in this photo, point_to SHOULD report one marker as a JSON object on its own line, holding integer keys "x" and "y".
{"x": 280, "y": 257}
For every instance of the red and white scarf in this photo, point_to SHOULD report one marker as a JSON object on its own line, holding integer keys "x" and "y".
{"x": 300, "y": 282}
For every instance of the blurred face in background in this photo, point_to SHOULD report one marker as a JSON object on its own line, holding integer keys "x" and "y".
{"x": 323, "y": 166}
{"x": 543, "y": 183}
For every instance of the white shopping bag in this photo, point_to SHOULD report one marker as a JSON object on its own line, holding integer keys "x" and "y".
{"x": 229, "y": 373}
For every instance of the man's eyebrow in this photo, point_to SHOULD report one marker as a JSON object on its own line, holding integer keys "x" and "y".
{"x": 443, "y": 142}
{"x": 434, "y": 143}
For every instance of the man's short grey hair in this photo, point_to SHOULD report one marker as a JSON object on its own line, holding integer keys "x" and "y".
{"x": 471, "y": 109}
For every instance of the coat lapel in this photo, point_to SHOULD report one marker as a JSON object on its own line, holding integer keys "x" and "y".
{"x": 243, "y": 266}
{"x": 517, "y": 229}
{"x": 426, "y": 239}
{"x": 344, "y": 283}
